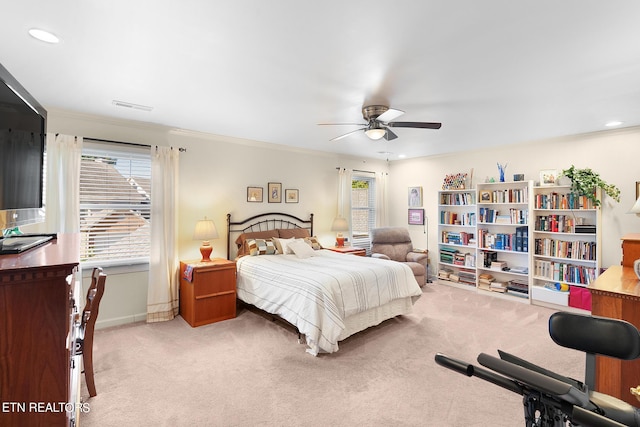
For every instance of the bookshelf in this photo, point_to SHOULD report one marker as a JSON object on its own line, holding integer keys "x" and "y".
{"x": 457, "y": 238}
{"x": 566, "y": 244}
{"x": 503, "y": 259}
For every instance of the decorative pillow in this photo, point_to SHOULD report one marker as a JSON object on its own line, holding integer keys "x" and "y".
{"x": 241, "y": 241}
{"x": 261, "y": 247}
{"x": 313, "y": 242}
{"x": 282, "y": 245}
{"x": 287, "y": 233}
{"x": 301, "y": 249}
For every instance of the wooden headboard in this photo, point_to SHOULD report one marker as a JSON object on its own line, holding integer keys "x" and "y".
{"x": 264, "y": 222}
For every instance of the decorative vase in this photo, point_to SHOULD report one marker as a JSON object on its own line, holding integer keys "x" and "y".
{"x": 501, "y": 169}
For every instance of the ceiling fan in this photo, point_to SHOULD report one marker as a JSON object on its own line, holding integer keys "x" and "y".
{"x": 379, "y": 119}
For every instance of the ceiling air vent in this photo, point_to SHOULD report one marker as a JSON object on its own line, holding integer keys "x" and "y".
{"x": 133, "y": 106}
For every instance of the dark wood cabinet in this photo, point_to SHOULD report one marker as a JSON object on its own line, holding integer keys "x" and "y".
{"x": 207, "y": 291}
{"x": 37, "y": 308}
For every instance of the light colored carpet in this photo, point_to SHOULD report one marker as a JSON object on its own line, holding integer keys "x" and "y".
{"x": 250, "y": 371}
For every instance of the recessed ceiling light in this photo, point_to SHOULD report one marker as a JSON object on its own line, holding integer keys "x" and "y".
{"x": 613, "y": 123}
{"x": 44, "y": 36}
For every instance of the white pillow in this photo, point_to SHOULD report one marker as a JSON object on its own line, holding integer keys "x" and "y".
{"x": 282, "y": 245}
{"x": 301, "y": 248}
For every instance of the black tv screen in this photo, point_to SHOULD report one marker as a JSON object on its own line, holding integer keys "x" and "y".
{"x": 22, "y": 138}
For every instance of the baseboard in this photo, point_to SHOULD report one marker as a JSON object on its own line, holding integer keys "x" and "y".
{"x": 117, "y": 321}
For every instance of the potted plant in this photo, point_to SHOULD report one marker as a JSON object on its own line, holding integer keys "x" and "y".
{"x": 585, "y": 182}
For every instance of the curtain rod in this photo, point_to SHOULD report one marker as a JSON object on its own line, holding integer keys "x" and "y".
{"x": 181, "y": 149}
{"x": 356, "y": 170}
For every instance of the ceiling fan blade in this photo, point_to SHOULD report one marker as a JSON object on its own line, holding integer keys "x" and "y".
{"x": 341, "y": 124}
{"x": 389, "y": 115}
{"x": 347, "y": 134}
{"x": 389, "y": 135}
{"x": 420, "y": 125}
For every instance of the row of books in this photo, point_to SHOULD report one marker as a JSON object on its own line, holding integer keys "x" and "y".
{"x": 458, "y": 237}
{"x": 555, "y": 223}
{"x": 459, "y": 199}
{"x": 560, "y": 271}
{"x": 516, "y": 287}
{"x": 562, "y": 201}
{"x": 518, "y": 241}
{"x": 565, "y": 249}
{"x": 514, "y": 216}
{"x": 455, "y": 257}
{"x": 509, "y": 195}
{"x": 462, "y": 276}
{"x": 466, "y": 218}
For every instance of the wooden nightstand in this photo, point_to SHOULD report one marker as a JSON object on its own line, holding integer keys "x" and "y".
{"x": 348, "y": 250}
{"x": 210, "y": 293}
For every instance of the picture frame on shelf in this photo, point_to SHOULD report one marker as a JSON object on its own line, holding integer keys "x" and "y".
{"x": 485, "y": 196}
{"x": 548, "y": 177}
{"x": 275, "y": 192}
{"x": 291, "y": 195}
{"x": 254, "y": 194}
{"x": 416, "y": 216}
{"x": 415, "y": 197}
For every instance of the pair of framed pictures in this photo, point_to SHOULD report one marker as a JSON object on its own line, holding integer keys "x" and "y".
{"x": 274, "y": 194}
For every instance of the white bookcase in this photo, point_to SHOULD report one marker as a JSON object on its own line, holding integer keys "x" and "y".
{"x": 566, "y": 243}
{"x": 457, "y": 237}
{"x": 503, "y": 239}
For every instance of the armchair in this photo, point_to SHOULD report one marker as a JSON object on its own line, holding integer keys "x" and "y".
{"x": 394, "y": 243}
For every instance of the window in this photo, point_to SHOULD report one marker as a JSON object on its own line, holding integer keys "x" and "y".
{"x": 115, "y": 204}
{"x": 363, "y": 210}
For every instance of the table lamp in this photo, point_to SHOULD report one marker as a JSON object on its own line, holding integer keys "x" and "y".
{"x": 205, "y": 230}
{"x": 340, "y": 224}
{"x": 635, "y": 209}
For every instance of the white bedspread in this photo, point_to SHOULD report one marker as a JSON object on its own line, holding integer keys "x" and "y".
{"x": 316, "y": 294}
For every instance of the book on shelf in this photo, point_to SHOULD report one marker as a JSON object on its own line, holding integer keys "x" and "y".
{"x": 498, "y": 265}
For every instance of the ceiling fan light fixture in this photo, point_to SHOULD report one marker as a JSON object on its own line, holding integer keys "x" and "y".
{"x": 375, "y": 133}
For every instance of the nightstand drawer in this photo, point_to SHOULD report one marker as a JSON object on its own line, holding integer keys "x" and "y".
{"x": 214, "y": 309}
{"x": 213, "y": 282}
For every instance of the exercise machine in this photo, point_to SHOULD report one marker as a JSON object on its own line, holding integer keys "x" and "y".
{"x": 554, "y": 400}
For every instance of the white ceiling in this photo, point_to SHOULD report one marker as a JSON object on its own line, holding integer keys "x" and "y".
{"x": 493, "y": 72}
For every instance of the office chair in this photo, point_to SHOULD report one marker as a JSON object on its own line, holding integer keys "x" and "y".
{"x": 551, "y": 399}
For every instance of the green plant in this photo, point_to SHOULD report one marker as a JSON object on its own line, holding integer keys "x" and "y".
{"x": 586, "y": 181}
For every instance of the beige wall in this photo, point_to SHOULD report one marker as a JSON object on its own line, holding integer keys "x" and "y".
{"x": 612, "y": 154}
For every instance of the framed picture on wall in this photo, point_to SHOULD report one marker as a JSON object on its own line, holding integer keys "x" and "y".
{"x": 275, "y": 192}
{"x": 291, "y": 195}
{"x": 254, "y": 194}
{"x": 416, "y": 216}
{"x": 415, "y": 197}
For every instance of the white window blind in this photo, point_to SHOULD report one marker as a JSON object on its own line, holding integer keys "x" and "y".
{"x": 363, "y": 210}
{"x": 115, "y": 204}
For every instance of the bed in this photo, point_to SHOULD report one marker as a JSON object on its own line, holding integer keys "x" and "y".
{"x": 283, "y": 270}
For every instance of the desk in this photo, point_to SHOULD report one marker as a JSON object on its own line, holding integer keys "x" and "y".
{"x": 616, "y": 294}
{"x": 630, "y": 249}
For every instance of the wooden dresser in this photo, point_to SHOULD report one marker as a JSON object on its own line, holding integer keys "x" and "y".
{"x": 37, "y": 310}
{"x": 616, "y": 294}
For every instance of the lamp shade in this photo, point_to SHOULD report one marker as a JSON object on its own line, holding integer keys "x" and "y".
{"x": 205, "y": 230}
{"x": 635, "y": 209}
{"x": 340, "y": 224}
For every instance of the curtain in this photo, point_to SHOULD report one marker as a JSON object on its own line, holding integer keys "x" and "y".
{"x": 382, "y": 179}
{"x": 163, "y": 292}
{"x": 344, "y": 194}
{"x": 63, "y": 183}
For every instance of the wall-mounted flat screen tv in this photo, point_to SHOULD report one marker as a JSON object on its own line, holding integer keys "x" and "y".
{"x": 22, "y": 139}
